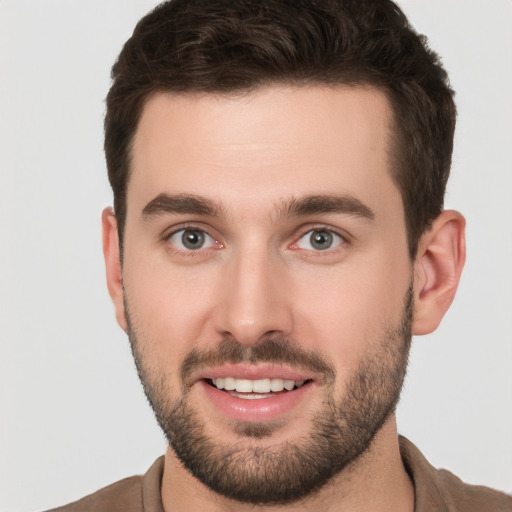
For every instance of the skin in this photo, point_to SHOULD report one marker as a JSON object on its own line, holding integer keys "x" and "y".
{"x": 258, "y": 276}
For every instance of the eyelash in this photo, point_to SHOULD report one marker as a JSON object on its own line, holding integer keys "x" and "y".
{"x": 344, "y": 240}
{"x": 192, "y": 228}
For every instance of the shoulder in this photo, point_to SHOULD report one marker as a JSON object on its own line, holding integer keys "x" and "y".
{"x": 133, "y": 494}
{"x": 122, "y": 496}
{"x": 471, "y": 498}
{"x": 442, "y": 491}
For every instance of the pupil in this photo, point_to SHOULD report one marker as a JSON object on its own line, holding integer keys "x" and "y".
{"x": 321, "y": 240}
{"x": 192, "y": 239}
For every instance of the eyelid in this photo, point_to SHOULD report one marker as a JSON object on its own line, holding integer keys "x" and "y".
{"x": 344, "y": 236}
{"x": 177, "y": 242}
{"x": 184, "y": 226}
{"x": 174, "y": 230}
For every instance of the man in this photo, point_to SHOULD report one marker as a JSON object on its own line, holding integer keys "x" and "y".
{"x": 278, "y": 235}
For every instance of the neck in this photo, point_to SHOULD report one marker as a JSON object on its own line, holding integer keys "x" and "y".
{"x": 377, "y": 480}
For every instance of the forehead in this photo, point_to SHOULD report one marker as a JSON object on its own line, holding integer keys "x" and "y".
{"x": 263, "y": 145}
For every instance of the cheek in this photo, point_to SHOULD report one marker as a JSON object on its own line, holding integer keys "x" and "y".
{"x": 168, "y": 308}
{"x": 347, "y": 317}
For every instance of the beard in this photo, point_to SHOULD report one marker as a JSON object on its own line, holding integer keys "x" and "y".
{"x": 277, "y": 474}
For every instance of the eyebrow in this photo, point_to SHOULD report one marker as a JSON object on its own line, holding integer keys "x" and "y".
{"x": 318, "y": 204}
{"x": 182, "y": 203}
{"x": 294, "y": 207}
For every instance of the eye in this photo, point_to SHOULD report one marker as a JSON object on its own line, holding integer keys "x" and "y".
{"x": 191, "y": 240}
{"x": 320, "y": 240}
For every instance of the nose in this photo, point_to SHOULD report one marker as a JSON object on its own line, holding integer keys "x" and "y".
{"x": 254, "y": 303}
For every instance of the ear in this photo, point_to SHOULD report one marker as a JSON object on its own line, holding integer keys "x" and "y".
{"x": 113, "y": 265}
{"x": 437, "y": 269}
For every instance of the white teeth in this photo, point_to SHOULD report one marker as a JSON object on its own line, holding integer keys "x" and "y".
{"x": 229, "y": 384}
{"x": 243, "y": 386}
{"x": 277, "y": 385}
{"x": 256, "y": 386}
{"x": 289, "y": 384}
{"x": 261, "y": 386}
{"x": 252, "y": 396}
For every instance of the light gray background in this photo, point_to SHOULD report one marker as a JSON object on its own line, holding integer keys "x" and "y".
{"x": 72, "y": 415}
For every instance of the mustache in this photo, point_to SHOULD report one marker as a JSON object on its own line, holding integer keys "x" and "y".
{"x": 274, "y": 350}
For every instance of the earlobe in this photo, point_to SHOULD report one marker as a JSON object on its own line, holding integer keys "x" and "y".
{"x": 113, "y": 264}
{"x": 438, "y": 267}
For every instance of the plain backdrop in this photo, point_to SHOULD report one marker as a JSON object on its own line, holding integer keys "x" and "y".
{"x": 72, "y": 414}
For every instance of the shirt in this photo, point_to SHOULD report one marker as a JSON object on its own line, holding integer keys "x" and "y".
{"x": 434, "y": 491}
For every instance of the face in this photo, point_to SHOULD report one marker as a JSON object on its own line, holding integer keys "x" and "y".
{"x": 267, "y": 284}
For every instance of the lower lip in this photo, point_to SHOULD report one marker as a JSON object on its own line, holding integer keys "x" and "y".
{"x": 254, "y": 410}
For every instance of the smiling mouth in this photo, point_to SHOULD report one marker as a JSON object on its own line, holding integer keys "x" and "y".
{"x": 255, "y": 389}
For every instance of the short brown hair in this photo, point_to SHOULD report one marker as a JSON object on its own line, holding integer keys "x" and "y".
{"x": 226, "y": 46}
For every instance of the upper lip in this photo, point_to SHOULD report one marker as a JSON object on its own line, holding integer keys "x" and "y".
{"x": 252, "y": 372}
